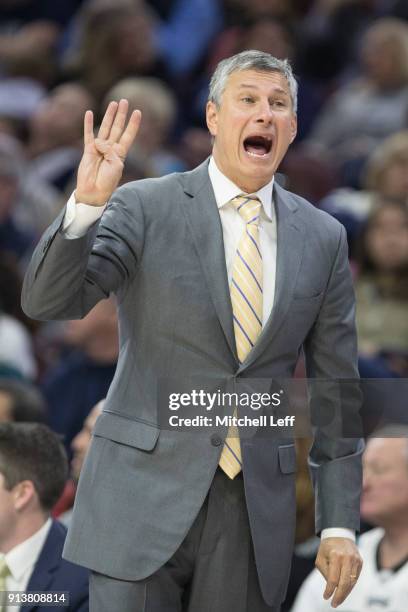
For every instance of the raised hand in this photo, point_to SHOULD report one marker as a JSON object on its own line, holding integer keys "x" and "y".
{"x": 102, "y": 163}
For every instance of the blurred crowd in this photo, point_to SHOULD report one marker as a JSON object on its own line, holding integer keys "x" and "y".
{"x": 350, "y": 158}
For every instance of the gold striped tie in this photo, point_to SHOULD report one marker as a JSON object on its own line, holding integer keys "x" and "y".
{"x": 4, "y": 572}
{"x": 247, "y": 306}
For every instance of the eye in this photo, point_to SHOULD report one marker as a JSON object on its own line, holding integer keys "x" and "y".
{"x": 278, "y": 103}
{"x": 379, "y": 470}
{"x": 247, "y": 99}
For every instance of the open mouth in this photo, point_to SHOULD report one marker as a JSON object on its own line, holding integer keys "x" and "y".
{"x": 258, "y": 146}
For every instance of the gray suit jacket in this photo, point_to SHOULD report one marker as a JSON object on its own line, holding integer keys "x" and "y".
{"x": 159, "y": 248}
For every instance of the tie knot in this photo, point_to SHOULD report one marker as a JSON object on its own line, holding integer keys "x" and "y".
{"x": 248, "y": 207}
{"x": 4, "y": 569}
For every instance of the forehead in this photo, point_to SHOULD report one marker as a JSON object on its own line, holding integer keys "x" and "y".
{"x": 387, "y": 450}
{"x": 265, "y": 82}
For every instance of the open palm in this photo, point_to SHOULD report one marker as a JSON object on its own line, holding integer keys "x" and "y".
{"x": 102, "y": 163}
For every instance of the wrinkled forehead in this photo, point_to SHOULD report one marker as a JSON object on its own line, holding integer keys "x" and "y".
{"x": 261, "y": 80}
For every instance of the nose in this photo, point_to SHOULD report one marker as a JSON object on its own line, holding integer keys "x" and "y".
{"x": 265, "y": 113}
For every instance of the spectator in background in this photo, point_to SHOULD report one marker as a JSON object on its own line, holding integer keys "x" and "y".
{"x": 19, "y": 98}
{"x": 55, "y": 132}
{"x": 33, "y": 471}
{"x": 33, "y": 202}
{"x": 387, "y": 170}
{"x": 79, "y": 447}
{"x": 242, "y": 10}
{"x": 17, "y": 358}
{"x": 383, "y": 583}
{"x": 385, "y": 177}
{"x": 266, "y": 33}
{"x": 13, "y": 238}
{"x": 82, "y": 376}
{"x": 158, "y": 106}
{"x": 16, "y": 348}
{"x": 361, "y": 114}
{"x": 21, "y": 402}
{"x": 194, "y": 146}
{"x": 10, "y": 291}
{"x": 29, "y": 32}
{"x": 332, "y": 31}
{"x": 382, "y": 282}
{"x": 116, "y": 41}
{"x": 179, "y": 49}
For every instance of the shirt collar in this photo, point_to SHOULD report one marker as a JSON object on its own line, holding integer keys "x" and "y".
{"x": 225, "y": 190}
{"x": 24, "y": 556}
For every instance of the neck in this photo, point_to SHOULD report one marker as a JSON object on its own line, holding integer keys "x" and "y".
{"x": 24, "y": 529}
{"x": 246, "y": 184}
{"x": 394, "y": 546}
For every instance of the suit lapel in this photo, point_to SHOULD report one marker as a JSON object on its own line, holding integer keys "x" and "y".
{"x": 204, "y": 221}
{"x": 46, "y": 565}
{"x": 290, "y": 245}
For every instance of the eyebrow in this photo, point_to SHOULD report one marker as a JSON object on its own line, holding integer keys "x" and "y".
{"x": 278, "y": 90}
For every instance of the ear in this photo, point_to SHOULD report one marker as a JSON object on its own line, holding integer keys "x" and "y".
{"x": 212, "y": 118}
{"x": 293, "y": 127}
{"x": 23, "y": 494}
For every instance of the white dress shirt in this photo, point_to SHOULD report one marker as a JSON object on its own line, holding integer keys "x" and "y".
{"x": 233, "y": 227}
{"x": 22, "y": 559}
{"x": 79, "y": 217}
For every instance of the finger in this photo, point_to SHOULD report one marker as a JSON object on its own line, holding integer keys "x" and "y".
{"x": 106, "y": 149}
{"x": 88, "y": 128}
{"x": 322, "y": 564}
{"x": 345, "y": 583}
{"x": 129, "y": 134}
{"x": 109, "y": 116}
{"x": 333, "y": 575}
{"x": 359, "y": 567}
{"x": 356, "y": 567}
{"x": 119, "y": 122}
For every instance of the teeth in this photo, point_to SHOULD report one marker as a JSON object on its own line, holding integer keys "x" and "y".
{"x": 257, "y": 154}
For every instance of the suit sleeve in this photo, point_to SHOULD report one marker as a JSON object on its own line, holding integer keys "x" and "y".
{"x": 335, "y": 400}
{"x": 67, "y": 277}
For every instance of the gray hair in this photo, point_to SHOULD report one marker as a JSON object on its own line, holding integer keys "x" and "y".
{"x": 250, "y": 60}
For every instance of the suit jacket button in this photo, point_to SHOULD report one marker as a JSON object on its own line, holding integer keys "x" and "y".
{"x": 216, "y": 440}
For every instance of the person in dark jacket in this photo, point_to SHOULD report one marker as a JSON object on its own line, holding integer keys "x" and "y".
{"x": 33, "y": 471}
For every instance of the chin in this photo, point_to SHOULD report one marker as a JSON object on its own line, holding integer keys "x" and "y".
{"x": 370, "y": 517}
{"x": 257, "y": 172}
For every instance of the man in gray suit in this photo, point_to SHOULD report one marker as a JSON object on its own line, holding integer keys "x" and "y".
{"x": 220, "y": 275}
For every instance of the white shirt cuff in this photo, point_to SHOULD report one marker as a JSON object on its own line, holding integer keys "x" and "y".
{"x": 338, "y": 532}
{"x": 80, "y": 217}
